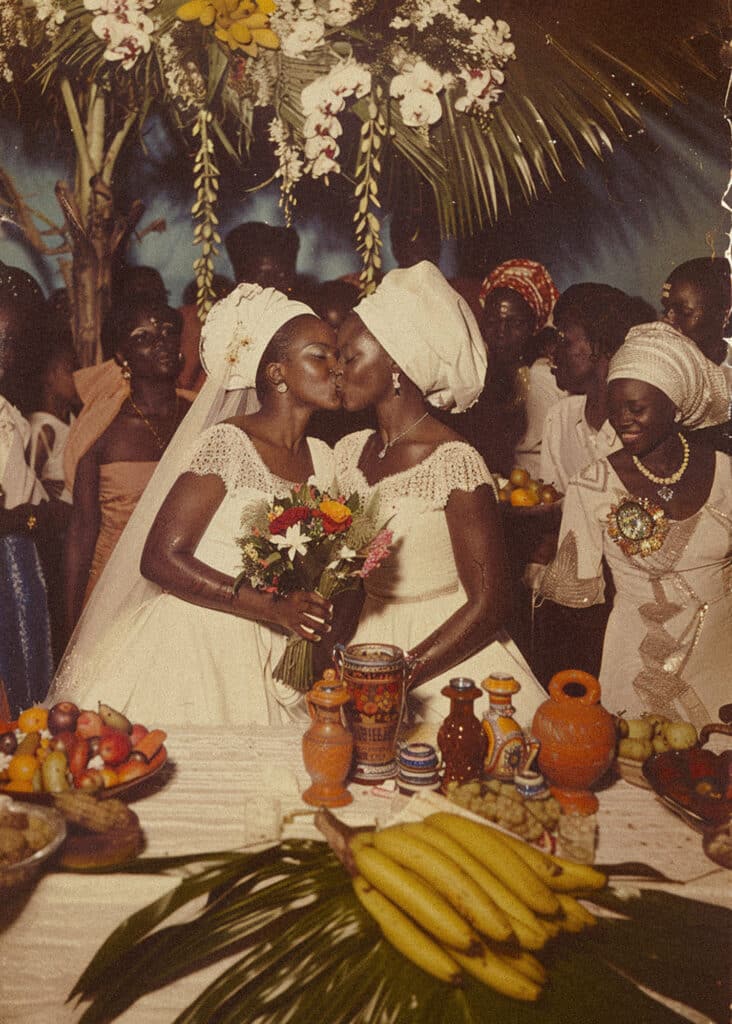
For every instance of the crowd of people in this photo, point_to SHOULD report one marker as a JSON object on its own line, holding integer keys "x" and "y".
{"x": 123, "y": 484}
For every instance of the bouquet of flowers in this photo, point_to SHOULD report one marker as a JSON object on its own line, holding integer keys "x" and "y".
{"x": 309, "y": 540}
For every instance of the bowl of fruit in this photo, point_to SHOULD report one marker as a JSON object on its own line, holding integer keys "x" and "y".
{"x": 695, "y": 780}
{"x": 528, "y": 496}
{"x": 49, "y": 751}
{"x": 29, "y": 838}
{"x": 640, "y": 739}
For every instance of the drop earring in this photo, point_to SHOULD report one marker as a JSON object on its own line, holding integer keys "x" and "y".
{"x": 395, "y": 382}
{"x": 126, "y": 371}
{"x": 282, "y": 387}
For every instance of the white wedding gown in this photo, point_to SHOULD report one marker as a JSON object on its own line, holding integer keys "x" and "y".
{"x": 417, "y": 588}
{"x": 169, "y": 662}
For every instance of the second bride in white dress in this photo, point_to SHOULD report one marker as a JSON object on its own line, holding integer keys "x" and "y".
{"x": 442, "y": 595}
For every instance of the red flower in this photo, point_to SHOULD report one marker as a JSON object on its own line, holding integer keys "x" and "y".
{"x": 331, "y": 526}
{"x": 290, "y": 516}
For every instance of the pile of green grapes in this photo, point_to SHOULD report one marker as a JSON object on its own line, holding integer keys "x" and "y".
{"x": 502, "y": 803}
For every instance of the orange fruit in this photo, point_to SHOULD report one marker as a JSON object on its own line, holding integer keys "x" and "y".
{"x": 18, "y": 787}
{"x": 22, "y": 768}
{"x": 523, "y": 497}
{"x": 109, "y": 777}
{"x": 519, "y": 477}
{"x": 33, "y": 719}
{"x": 504, "y": 494}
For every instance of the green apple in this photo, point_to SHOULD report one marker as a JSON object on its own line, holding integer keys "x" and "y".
{"x": 680, "y": 735}
{"x": 636, "y": 749}
{"x": 639, "y": 728}
{"x": 660, "y": 743}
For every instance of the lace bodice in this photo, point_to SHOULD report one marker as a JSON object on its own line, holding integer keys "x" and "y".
{"x": 453, "y": 466}
{"x": 229, "y": 453}
{"x": 412, "y": 504}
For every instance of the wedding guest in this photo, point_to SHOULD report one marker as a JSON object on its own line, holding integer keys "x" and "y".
{"x": 25, "y": 639}
{"x": 265, "y": 255}
{"x": 592, "y": 320}
{"x": 131, "y": 410}
{"x": 178, "y": 644}
{"x": 517, "y": 299}
{"x": 443, "y": 595}
{"x": 659, "y": 511}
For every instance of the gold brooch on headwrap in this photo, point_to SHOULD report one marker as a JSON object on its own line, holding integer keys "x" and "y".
{"x": 638, "y": 525}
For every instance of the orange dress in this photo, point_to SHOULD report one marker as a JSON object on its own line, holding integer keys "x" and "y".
{"x": 120, "y": 487}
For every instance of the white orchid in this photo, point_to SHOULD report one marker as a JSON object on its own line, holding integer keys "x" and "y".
{"x": 350, "y": 79}
{"x": 319, "y": 96}
{"x": 322, "y": 123}
{"x": 482, "y": 88}
{"x": 339, "y": 13}
{"x": 324, "y": 165}
{"x": 125, "y": 40}
{"x": 294, "y": 542}
{"x": 421, "y": 77}
{"x": 316, "y": 145}
{"x": 306, "y": 34}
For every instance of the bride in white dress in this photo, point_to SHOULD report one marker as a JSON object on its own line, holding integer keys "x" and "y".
{"x": 442, "y": 596}
{"x": 181, "y": 647}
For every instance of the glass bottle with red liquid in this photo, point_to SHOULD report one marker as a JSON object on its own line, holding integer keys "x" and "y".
{"x": 461, "y": 738}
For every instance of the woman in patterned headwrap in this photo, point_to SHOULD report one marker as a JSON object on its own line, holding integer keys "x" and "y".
{"x": 659, "y": 511}
{"x": 505, "y": 424}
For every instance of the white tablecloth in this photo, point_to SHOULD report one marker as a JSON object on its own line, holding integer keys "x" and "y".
{"x": 202, "y": 801}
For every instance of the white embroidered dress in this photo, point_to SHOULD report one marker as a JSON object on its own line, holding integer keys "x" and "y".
{"x": 668, "y": 644}
{"x": 173, "y": 662}
{"x": 417, "y": 588}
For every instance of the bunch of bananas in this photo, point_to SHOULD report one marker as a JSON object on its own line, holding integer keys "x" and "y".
{"x": 456, "y": 896}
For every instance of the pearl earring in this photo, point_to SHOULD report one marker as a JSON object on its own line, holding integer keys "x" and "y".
{"x": 282, "y": 387}
{"x": 395, "y": 382}
{"x": 126, "y": 371}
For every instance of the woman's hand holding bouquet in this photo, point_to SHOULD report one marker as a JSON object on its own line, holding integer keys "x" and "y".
{"x": 305, "y": 548}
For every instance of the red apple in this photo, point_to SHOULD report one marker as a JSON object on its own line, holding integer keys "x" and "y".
{"x": 138, "y": 731}
{"x": 114, "y": 748}
{"x": 91, "y": 779}
{"x": 79, "y": 757}
{"x": 62, "y": 717}
{"x": 88, "y": 724}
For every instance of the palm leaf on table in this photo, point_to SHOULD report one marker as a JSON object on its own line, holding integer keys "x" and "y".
{"x": 305, "y": 949}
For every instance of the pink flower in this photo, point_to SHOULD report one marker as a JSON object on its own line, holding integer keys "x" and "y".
{"x": 376, "y": 552}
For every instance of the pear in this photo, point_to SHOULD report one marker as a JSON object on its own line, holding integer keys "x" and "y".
{"x": 660, "y": 743}
{"x": 680, "y": 735}
{"x": 658, "y": 722}
{"x": 114, "y": 719}
{"x": 635, "y": 749}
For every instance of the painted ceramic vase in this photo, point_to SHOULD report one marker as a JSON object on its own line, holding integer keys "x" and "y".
{"x": 375, "y": 675}
{"x": 508, "y": 751}
{"x": 327, "y": 746}
{"x": 577, "y": 737}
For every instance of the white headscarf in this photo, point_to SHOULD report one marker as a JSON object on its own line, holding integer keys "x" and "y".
{"x": 239, "y": 328}
{"x": 430, "y": 333}
{"x": 658, "y": 354}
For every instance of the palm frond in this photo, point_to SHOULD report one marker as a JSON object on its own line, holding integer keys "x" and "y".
{"x": 306, "y": 950}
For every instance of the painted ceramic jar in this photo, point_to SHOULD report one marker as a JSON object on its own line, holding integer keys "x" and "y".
{"x": 375, "y": 675}
{"x": 460, "y": 737}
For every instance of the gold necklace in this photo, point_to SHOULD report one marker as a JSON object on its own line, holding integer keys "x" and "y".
{"x": 161, "y": 443}
{"x": 390, "y": 444}
{"x": 665, "y": 492}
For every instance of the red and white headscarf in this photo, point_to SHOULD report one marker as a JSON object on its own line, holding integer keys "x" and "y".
{"x": 531, "y": 280}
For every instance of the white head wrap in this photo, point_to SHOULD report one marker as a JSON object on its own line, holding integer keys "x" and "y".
{"x": 238, "y": 329}
{"x": 430, "y": 333}
{"x": 660, "y": 355}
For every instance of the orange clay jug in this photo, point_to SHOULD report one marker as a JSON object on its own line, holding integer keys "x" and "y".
{"x": 577, "y": 739}
{"x": 327, "y": 746}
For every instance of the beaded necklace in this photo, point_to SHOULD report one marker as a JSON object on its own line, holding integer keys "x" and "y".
{"x": 665, "y": 492}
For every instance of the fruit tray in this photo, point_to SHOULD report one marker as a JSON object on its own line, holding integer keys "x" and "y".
{"x": 696, "y": 780}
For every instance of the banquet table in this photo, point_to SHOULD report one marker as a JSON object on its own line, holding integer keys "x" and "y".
{"x": 212, "y": 793}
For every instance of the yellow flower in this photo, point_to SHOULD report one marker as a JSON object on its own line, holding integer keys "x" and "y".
{"x": 335, "y": 510}
{"x": 241, "y": 24}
